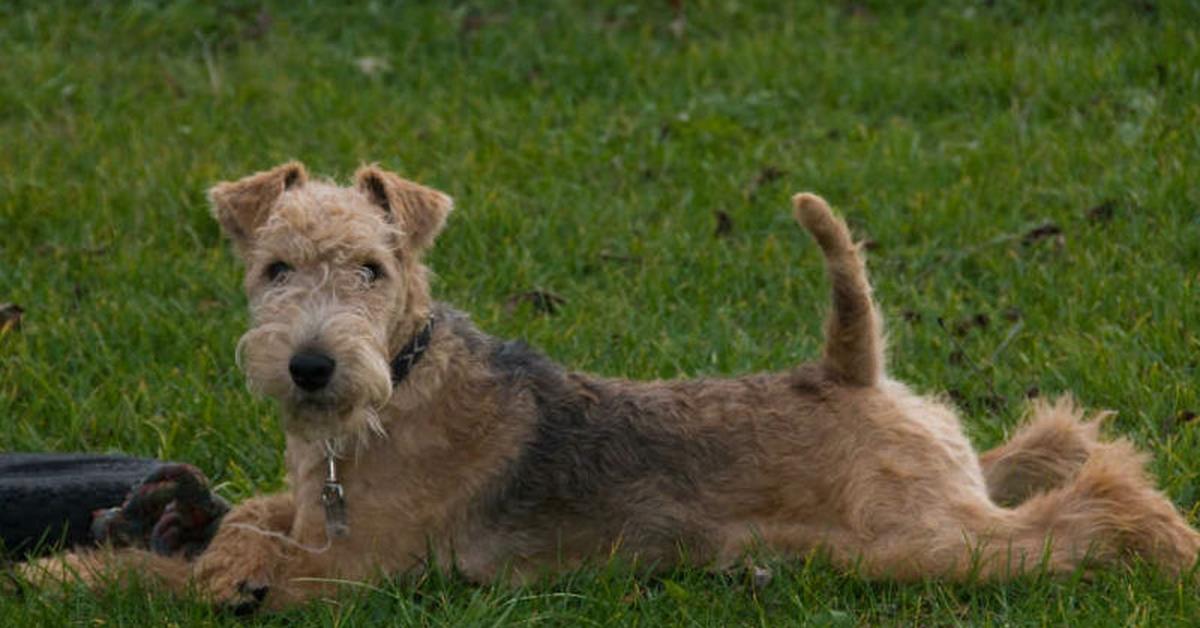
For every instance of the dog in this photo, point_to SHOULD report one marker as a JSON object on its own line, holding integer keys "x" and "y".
{"x": 414, "y": 439}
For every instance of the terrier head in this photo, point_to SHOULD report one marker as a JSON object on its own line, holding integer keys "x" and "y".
{"x": 336, "y": 288}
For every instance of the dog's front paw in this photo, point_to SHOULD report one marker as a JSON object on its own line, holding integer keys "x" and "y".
{"x": 239, "y": 583}
{"x": 250, "y": 596}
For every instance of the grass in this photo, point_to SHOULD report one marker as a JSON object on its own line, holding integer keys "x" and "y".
{"x": 589, "y": 149}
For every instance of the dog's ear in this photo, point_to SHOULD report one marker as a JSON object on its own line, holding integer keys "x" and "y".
{"x": 242, "y": 206}
{"x": 419, "y": 211}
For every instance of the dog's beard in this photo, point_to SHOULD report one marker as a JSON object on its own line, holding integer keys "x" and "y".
{"x": 354, "y": 426}
{"x": 349, "y": 406}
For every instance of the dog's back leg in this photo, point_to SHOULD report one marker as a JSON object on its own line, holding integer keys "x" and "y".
{"x": 1106, "y": 513}
{"x": 105, "y": 568}
{"x": 1045, "y": 453}
{"x": 854, "y": 342}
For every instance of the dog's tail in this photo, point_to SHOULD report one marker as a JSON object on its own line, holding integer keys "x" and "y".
{"x": 853, "y": 332}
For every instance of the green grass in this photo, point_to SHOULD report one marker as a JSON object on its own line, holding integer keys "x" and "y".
{"x": 589, "y": 148}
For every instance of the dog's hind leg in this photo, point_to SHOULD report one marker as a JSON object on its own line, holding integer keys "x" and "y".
{"x": 1108, "y": 512}
{"x": 1045, "y": 452}
{"x": 854, "y": 345}
{"x": 105, "y": 568}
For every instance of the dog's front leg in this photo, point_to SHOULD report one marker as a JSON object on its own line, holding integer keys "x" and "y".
{"x": 240, "y": 564}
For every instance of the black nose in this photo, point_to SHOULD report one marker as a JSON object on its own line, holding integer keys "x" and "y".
{"x": 311, "y": 371}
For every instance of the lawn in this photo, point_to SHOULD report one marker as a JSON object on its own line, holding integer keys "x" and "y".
{"x": 1025, "y": 175}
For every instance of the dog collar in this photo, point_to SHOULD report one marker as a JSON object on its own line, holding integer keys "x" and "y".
{"x": 411, "y": 353}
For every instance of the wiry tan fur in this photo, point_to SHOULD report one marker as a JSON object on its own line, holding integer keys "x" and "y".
{"x": 492, "y": 460}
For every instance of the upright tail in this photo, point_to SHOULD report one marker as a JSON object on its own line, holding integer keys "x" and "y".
{"x": 853, "y": 332}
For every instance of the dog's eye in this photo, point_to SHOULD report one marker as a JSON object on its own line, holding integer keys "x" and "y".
{"x": 277, "y": 270}
{"x": 371, "y": 272}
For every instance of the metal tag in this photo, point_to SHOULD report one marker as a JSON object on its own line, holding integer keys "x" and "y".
{"x": 334, "y": 500}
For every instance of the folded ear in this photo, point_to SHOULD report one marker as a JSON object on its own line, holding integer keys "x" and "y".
{"x": 419, "y": 211}
{"x": 242, "y": 206}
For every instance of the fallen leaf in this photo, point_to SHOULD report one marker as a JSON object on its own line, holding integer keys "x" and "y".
{"x": 724, "y": 224}
{"x": 1042, "y": 232}
{"x": 964, "y": 325}
{"x": 617, "y": 257}
{"x": 10, "y": 317}
{"x": 859, "y": 11}
{"x": 542, "y": 301}
{"x": 768, "y": 174}
{"x": 259, "y": 26}
{"x": 472, "y": 21}
{"x": 1102, "y": 212}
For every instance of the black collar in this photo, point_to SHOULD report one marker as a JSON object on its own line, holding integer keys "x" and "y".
{"x": 411, "y": 353}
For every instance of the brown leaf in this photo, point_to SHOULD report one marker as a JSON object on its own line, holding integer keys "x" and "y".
{"x": 724, "y": 224}
{"x": 173, "y": 85}
{"x": 617, "y": 257}
{"x": 965, "y": 325}
{"x": 1102, "y": 212}
{"x": 472, "y": 21}
{"x": 859, "y": 11}
{"x": 1042, "y": 232}
{"x": 543, "y": 302}
{"x": 259, "y": 27}
{"x": 10, "y": 317}
{"x": 767, "y": 175}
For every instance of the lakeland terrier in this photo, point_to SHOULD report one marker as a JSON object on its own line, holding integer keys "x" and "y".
{"x": 414, "y": 439}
